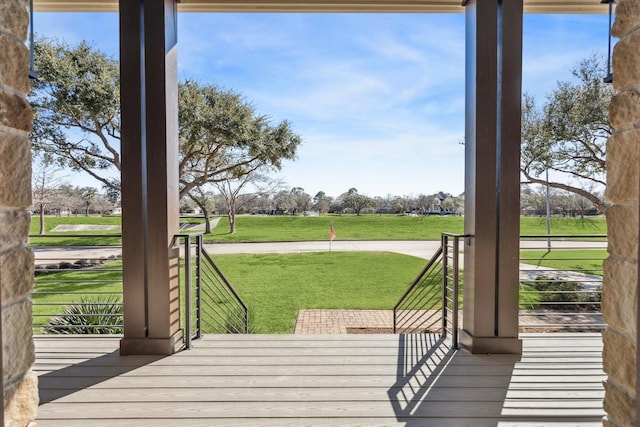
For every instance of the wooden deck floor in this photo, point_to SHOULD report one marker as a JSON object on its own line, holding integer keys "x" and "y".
{"x": 295, "y": 380}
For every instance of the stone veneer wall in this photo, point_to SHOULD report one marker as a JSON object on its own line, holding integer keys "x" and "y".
{"x": 620, "y": 293}
{"x": 16, "y": 259}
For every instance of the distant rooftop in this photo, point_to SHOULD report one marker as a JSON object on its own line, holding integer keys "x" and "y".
{"x": 417, "y": 6}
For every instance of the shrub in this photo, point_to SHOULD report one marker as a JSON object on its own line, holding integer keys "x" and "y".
{"x": 554, "y": 294}
{"x": 88, "y": 317}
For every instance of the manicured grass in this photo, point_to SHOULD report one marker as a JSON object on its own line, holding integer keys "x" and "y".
{"x": 51, "y": 222}
{"x": 256, "y": 228}
{"x": 66, "y": 238}
{"x": 276, "y": 286}
{"x": 347, "y": 227}
{"x": 566, "y": 226}
{"x": 588, "y": 261}
{"x": 377, "y": 227}
{"x": 53, "y": 291}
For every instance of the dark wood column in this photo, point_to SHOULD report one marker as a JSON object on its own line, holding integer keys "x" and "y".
{"x": 492, "y": 181}
{"x": 149, "y": 88}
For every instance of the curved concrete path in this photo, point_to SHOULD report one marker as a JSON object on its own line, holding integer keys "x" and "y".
{"x": 418, "y": 248}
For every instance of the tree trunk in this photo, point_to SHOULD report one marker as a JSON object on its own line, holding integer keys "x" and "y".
{"x": 232, "y": 222}
{"x": 207, "y": 223}
{"x": 42, "y": 219}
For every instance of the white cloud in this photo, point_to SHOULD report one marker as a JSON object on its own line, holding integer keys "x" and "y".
{"x": 378, "y": 99}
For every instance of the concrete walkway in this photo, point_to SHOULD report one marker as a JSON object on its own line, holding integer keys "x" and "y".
{"x": 418, "y": 248}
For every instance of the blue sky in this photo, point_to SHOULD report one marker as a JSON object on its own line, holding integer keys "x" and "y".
{"x": 377, "y": 99}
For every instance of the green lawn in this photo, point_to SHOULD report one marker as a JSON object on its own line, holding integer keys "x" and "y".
{"x": 275, "y": 286}
{"x": 51, "y": 222}
{"x": 588, "y": 261}
{"x": 54, "y": 291}
{"x": 347, "y": 227}
{"x": 67, "y": 238}
{"x": 256, "y": 228}
{"x": 567, "y": 226}
{"x": 377, "y": 227}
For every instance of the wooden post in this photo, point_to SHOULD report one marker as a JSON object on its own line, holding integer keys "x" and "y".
{"x": 149, "y": 90}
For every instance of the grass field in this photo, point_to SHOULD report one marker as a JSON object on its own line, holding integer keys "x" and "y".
{"x": 347, "y": 227}
{"x": 55, "y": 290}
{"x": 275, "y": 286}
{"x": 66, "y": 238}
{"x": 588, "y": 261}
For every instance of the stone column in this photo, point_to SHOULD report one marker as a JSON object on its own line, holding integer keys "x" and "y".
{"x": 20, "y": 397}
{"x": 149, "y": 96}
{"x": 492, "y": 175}
{"x": 620, "y": 293}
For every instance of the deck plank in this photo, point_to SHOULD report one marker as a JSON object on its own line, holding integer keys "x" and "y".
{"x": 321, "y": 380}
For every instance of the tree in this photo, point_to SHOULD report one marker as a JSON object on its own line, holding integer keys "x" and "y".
{"x": 205, "y": 200}
{"x": 222, "y": 137}
{"x": 70, "y": 198}
{"x": 284, "y": 201}
{"x": 88, "y": 194}
{"x": 100, "y": 204}
{"x": 45, "y": 186}
{"x": 232, "y": 188}
{"x": 112, "y": 193}
{"x": 322, "y": 202}
{"x": 76, "y": 104}
{"x": 427, "y": 204}
{"x": 301, "y": 199}
{"x": 568, "y": 136}
{"x": 352, "y": 200}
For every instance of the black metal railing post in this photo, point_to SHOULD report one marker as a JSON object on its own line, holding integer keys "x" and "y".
{"x": 187, "y": 290}
{"x": 433, "y": 294}
{"x": 456, "y": 291}
{"x": 199, "y": 238}
{"x": 445, "y": 287}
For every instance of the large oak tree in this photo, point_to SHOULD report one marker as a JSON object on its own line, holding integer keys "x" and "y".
{"x": 76, "y": 102}
{"x": 568, "y": 135}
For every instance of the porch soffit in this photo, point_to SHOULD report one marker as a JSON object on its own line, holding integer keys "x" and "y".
{"x": 366, "y": 6}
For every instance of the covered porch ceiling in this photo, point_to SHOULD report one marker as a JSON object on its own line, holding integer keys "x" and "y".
{"x": 389, "y": 6}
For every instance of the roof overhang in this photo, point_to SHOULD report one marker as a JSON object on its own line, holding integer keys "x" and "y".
{"x": 365, "y": 6}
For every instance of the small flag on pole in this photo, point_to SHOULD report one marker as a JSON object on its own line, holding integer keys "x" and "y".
{"x": 332, "y": 232}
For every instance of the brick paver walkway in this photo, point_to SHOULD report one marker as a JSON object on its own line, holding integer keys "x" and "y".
{"x": 337, "y": 321}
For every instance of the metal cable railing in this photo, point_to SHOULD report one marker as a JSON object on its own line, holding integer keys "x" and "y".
{"x": 560, "y": 287}
{"x": 451, "y": 285}
{"x": 419, "y": 309}
{"x": 223, "y": 311}
{"x": 211, "y": 303}
{"x": 190, "y": 246}
{"x": 432, "y": 302}
{"x": 78, "y": 286}
{"x": 561, "y": 282}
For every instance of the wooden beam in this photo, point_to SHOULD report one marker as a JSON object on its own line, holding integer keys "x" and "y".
{"x": 368, "y": 6}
